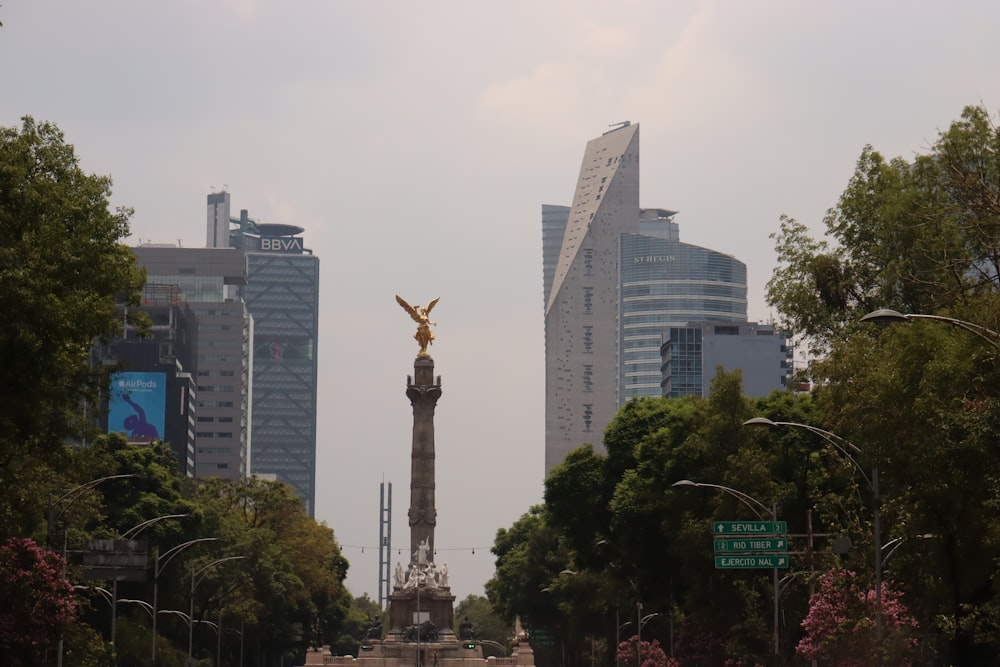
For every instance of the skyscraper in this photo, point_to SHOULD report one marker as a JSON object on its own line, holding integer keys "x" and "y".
{"x": 615, "y": 279}
{"x": 282, "y": 295}
{"x": 581, "y": 305}
{"x": 218, "y": 340}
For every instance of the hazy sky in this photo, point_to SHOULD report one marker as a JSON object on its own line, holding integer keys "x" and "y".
{"x": 416, "y": 143}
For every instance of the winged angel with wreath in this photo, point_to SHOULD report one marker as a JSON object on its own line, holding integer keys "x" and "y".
{"x": 421, "y": 315}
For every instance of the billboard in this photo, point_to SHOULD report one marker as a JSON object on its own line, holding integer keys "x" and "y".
{"x": 137, "y": 405}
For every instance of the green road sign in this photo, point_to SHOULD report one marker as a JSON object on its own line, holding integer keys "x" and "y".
{"x": 751, "y": 544}
{"x": 751, "y": 562}
{"x": 749, "y": 527}
{"x": 539, "y": 638}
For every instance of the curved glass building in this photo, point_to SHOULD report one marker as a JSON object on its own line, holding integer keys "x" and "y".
{"x": 664, "y": 284}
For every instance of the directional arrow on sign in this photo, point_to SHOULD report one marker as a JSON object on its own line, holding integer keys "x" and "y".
{"x": 750, "y": 528}
{"x": 750, "y": 544}
{"x": 751, "y": 562}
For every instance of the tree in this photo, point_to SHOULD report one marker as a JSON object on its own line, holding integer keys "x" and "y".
{"x": 922, "y": 401}
{"x": 628, "y": 536}
{"x": 920, "y": 236}
{"x": 63, "y": 271}
{"x": 353, "y": 629}
{"x": 37, "y": 601}
{"x": 288, "y": 589}
{"x": 529, "y": 556}
{"x": 486, "y": 622}
{"x": 840, "y": 627}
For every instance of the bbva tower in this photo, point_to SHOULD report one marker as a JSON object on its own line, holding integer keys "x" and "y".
{"x": 616, "y": 278}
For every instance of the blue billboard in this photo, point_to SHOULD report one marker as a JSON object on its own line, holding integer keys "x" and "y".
{"x": 137, "y": 405}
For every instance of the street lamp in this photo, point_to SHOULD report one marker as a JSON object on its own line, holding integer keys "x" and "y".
{"x": 194, "y": 584}
{"x": 850, "y": 452}
{"x": 128, "y": 535}
{"x": 160, "y": 561}
{"x": 638, "y": 631}
{"x": 756, "y": 506}
{"x": 886, "y": 315}
{"x": 148, "y": 608}
{"x": 105, "y": 593}
{"x": 176, "y": 612}
{"x": 893, "y": 545}
{"x": 69, "y": 498}
{"x": 638, "y": 618}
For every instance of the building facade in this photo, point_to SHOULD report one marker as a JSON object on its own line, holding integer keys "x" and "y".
{"x": 665, "y": 284}
{"x": 616, "y": 278}
{"x": 691, "y": 355}
{"x": 581, "y": 304}
{"x": 282, "y": 296}
{"x": 219, "y": 348}
{"x": 153, "y": 394}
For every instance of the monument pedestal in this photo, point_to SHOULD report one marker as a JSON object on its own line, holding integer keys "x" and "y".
{"x": 431, "y": 608}
{"x": 389, "y": 653}
{"x": 412, "y": 606}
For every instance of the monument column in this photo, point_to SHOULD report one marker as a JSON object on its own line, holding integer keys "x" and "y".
{"x": 423, "y": 390}
{"x": 421, "y": 606}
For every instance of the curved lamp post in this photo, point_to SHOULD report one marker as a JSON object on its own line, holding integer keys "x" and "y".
{"x": 69, "y": 498}
{"x": 72, "y": 496}
{"x": 756, "y": 506}
{"x": 885, "y": 315}
{"x": 148, "y": 608}
{"x": 128, "y": 535}
{"x": 160, "y": 561}
{"x": 106, "y": 594}
{"x": 849, "y": 451}
{"x": 194, "y": 584}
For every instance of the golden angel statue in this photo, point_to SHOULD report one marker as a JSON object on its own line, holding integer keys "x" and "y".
{"x": 421, "y": 315}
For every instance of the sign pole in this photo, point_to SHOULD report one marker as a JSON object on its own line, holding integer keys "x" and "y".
{"x": 774, "y": 515}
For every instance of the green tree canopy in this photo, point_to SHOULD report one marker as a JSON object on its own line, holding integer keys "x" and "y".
{"x": 293, "y": 571}
{"x": 63, "y": 269}
{"x": 918, "y": 236}
{"x": 921, "y": 401}
{"x": 486, "y": 623}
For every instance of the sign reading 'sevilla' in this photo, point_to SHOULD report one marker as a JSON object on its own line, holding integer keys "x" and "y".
{"x": 749, "y": 527}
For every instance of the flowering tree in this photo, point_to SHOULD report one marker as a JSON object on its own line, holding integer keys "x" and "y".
{"x": 37, "y": 601}
{"x": 841, "y": 625}
{"x": 650, "y": 654}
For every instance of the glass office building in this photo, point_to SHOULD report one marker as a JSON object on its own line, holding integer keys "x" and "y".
{"x": 282, "y": 295}
{"x": 692, "y": 355}
{"x": 666, "y": 284}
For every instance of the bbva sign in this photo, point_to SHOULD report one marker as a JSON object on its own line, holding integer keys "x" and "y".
{"x": 280, "y": 244}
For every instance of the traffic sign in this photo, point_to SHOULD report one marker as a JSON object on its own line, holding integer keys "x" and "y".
{"x": 751, "y": 562}
{"x": 751, "y": 544}
{"x": 749, "y": 527}
{"x": 539, "y": 637}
